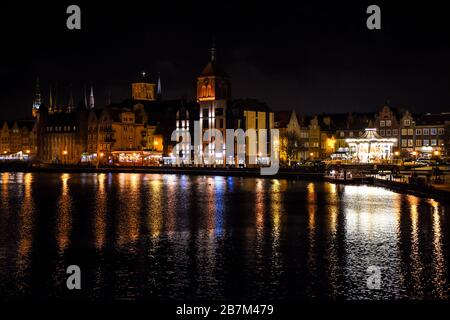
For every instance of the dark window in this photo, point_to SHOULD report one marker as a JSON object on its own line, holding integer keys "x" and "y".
{"x": 219, "y": 111}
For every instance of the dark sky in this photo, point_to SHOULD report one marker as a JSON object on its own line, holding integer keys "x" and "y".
{"x": 311, "y": 56}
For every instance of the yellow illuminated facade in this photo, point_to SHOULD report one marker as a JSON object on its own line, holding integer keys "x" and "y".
{"x": 213, "y": 93}
{"x": 143, "y": 91}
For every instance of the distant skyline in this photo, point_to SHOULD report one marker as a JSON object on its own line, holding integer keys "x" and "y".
{"x": 313, "y": 58}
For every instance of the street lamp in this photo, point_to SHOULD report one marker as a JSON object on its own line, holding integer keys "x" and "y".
{"x": 64, "y": 154}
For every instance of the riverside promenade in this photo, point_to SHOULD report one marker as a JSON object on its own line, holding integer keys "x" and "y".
{"x": 402, "y": 182}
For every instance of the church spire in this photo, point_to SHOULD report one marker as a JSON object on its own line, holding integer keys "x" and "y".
{"x": 70, "y": 105}
{"x": 213, "y": 51}
{"x": 158, "y": 88}
{"x": 85, "y": 98}
{"x": 50, "y": 101}
{"x": 37, "y": 99}
{"x": 91, "y": 98}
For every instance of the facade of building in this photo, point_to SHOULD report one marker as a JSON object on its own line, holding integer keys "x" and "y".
{"x": 141, "y": 130}
{"x": 213, "y": 95}
{"x": 249, "y": 115}
{"x": 18, "y": 136}
{"x": 62, "y": 137}
{"x": 289, "y": 125}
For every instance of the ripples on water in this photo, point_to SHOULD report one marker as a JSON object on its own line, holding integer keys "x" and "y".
{"x": 166, "y": 236}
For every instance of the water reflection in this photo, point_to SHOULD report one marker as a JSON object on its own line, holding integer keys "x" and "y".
{"x": 25, "y": 231}
{"x": 439, "y": 265}
{"x": 416, "y": 262}
{"x": 169, "y": 236}
{"x": 64, "y": 214}
{"x": 100, "y": 212}
{"x": 129, "y": 206}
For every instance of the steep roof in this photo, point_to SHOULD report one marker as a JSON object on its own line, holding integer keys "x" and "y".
{"x": 282, "y": 118}
{"x": 433, "y": 119}
{"x": 213, "y": 69}
{"x": 62, "y": 119}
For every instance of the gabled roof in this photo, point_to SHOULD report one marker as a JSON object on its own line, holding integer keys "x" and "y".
{"x": 213, "y": 69}
{"x": 433, "y": 119}
{"x": 282, "y": 118}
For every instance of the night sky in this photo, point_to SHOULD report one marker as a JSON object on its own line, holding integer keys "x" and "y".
{"x": 310, "y": 56}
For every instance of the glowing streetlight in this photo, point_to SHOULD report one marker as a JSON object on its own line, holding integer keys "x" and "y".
{"x": 27, "y": 151}
{"x": 64, "y": 152}
{"x": 437, "y": 153}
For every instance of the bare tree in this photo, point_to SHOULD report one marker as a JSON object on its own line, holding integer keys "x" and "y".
{"x": 290, "y": 145}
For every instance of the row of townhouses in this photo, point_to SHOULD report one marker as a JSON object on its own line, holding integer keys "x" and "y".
{"x": 139, "y": 130}
{"x": 321, "y": 136}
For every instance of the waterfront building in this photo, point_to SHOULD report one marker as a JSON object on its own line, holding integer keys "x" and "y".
{"x": 251, "y": 114}
{"x": 61, "y": 136}
{"x": 287, "y": 122}
{"x": 113, "y": 129}
{"x": 431, "y": 132}
{"x": 213, "y": 95}
{"x": 406, "y": 140}
{"x": 18, "y": 136}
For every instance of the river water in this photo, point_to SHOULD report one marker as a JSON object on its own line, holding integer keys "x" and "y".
{"x": 161, "y": 237}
